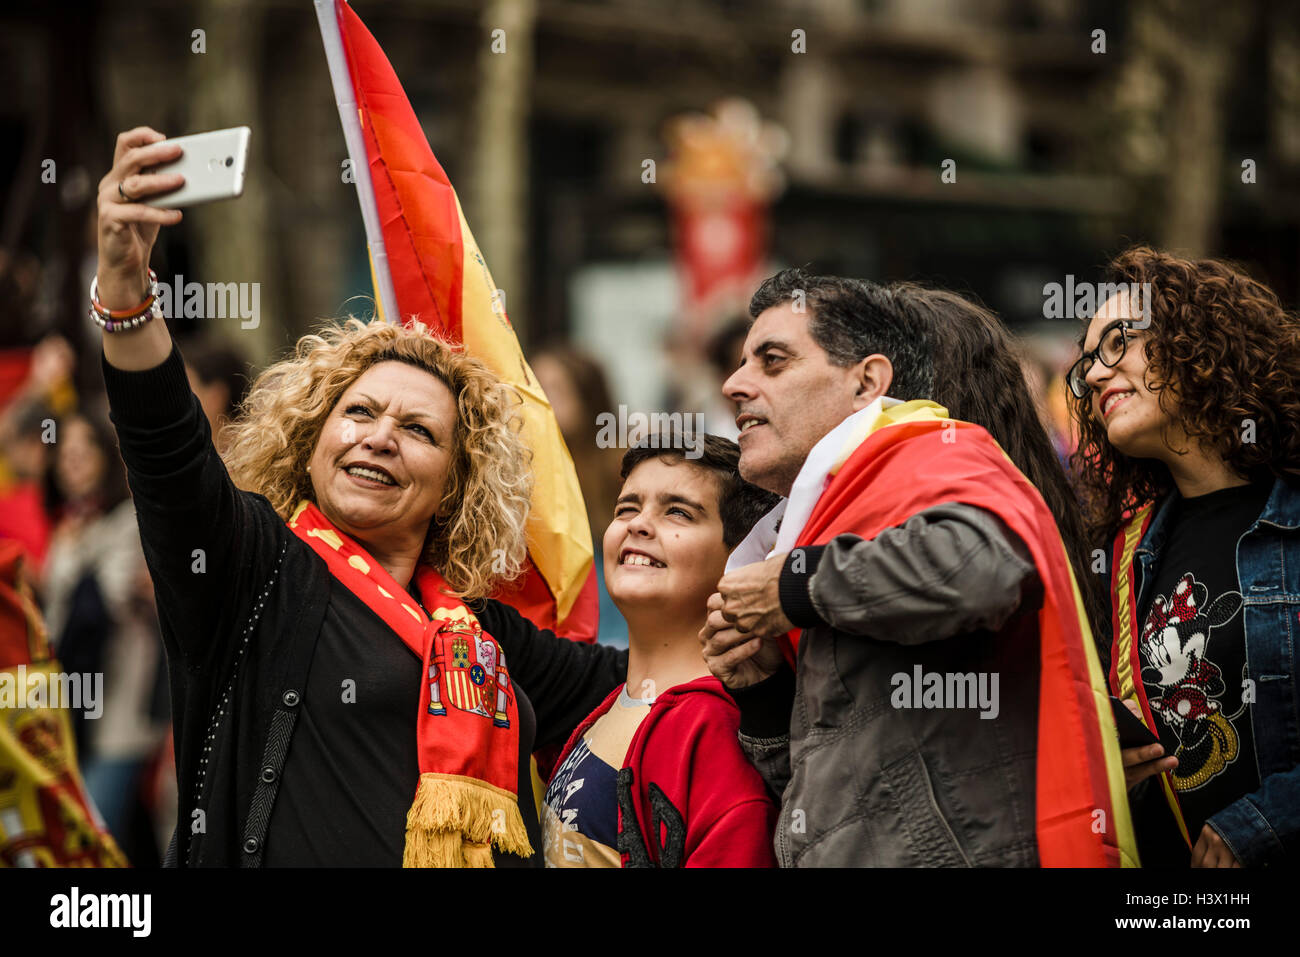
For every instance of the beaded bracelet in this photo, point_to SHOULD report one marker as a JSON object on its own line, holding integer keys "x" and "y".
{"x": 122, "y": 325}
{"x": 120, "y": 320}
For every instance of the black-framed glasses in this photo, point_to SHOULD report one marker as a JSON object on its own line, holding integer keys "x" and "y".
{"x": 1111, "y": 348}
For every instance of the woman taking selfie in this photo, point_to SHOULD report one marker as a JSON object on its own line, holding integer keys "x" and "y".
{"x": 335, "y": 701}
{"x": 1188, "y": 398}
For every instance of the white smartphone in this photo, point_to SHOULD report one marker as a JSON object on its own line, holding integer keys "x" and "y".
{"x": 213, "y": 166}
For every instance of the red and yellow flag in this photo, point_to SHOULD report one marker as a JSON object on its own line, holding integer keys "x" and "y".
{"x": 426, "y": 266}
{"x": 46, "y": 819}
{"x": 915, "y": 458}
{"x": 1125, "y": 661}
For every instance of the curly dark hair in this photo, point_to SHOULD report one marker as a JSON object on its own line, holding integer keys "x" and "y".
{"x": 1220, "y": 349}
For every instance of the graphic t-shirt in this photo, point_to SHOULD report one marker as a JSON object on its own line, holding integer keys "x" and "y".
{"x": 1193, "y": 652}
{"x": 580, "y": 819}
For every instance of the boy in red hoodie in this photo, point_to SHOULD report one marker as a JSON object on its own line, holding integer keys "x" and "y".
{"x": 655, "y": 776}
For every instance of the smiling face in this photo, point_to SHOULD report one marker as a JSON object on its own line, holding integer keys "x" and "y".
{"x": 383, "y": 458}
{"x": 664, "y": 547}
{"x": 1130, "y": 412}
{"x": 789, "y": 396}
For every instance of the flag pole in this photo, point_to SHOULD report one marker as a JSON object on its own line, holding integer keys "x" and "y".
{"x": 328, "y": 17}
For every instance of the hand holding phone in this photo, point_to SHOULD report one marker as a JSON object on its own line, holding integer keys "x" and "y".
{"x": 127, "y": 228}
{"x": 1132, "y": 732}
{"x": 1140, "y": 749}
{"x": 213, "y": 165}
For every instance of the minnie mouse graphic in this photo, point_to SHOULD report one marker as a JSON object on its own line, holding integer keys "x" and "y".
{"x": 1173, "y": 647}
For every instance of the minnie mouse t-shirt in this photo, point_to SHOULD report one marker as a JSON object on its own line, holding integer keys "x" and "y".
{"x": 1193, "y": 652}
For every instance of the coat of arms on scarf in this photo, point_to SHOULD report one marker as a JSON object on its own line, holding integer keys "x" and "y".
{"x": 473, "y": 669}
{"x": 1173, "y": 648}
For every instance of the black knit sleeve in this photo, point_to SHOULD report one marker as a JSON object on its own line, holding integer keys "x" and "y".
{"x": 200, "y": 535}
{"x": 766, "y": 706}
{"x": 565, "y": 680}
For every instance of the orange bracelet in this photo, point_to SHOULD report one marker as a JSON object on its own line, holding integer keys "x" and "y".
{"x": 132, "y": 313}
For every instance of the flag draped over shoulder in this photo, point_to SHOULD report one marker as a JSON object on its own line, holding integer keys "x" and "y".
{"x": 426, "y": 266}
{"x": 914, "y": 458}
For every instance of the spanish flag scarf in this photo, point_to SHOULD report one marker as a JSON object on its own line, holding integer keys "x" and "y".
{"x": 1125, "y": 658}
{"x": 467, "y": 729}
{"x": 913, "y": 457}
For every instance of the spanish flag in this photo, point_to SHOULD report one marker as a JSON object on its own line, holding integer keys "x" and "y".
{"x": 46, "y": 819}
{"x": 426, "y": 266}
{"x": 913, "y": 457}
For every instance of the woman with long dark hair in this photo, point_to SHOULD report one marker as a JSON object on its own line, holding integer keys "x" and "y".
{"x": 978, "y": 378}
{"x": 1187, "y": 397}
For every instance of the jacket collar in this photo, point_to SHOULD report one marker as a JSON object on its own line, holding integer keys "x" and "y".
{"x": 1154, "y": 539}
{"x": 1281, "y": 510}
{"x": 1283, "y": 506}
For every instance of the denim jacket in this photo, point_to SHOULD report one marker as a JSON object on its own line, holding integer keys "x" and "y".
{"x": 1262, "y": 827}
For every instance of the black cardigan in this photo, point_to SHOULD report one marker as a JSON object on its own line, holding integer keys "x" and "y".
{"x": 241, "y": 600}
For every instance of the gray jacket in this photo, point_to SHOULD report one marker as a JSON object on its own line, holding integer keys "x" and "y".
{"x": 909, "y": 736}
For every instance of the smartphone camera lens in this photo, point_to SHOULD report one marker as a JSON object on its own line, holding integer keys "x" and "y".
{"x": 230, "y": 161}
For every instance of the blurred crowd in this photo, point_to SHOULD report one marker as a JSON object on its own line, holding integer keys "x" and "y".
{"x": 64, "y": 498}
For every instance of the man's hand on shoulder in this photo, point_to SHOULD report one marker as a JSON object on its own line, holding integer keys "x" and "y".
{"x": 736, "y": 659}
{"x": 751, "y": 598}
{"x": 740, "y": 637}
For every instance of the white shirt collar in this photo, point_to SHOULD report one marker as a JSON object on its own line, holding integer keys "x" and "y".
{"x": 764, "y": 540}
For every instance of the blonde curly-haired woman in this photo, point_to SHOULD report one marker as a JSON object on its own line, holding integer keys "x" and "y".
{"x": 336, "y": 700}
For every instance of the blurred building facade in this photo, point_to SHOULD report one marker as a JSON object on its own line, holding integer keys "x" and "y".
{"x": 1073, "y": 127}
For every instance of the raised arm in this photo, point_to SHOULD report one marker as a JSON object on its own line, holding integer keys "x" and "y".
{"x": 198, "y": 537}
{"x": 127, "y": 232}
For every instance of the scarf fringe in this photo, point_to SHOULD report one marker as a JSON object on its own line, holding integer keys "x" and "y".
{"x": 456, "y": 821}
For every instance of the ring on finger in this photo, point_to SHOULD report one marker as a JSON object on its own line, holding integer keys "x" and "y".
{"x": 121, "y": 192}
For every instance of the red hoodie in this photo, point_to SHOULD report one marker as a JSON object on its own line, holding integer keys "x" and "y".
{"x": 686, "y": 782}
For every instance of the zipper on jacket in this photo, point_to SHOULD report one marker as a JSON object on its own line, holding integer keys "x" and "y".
{"x": 229, "y": 698}
{"x": 934, "y": 804}
{"x": 783, "y": 838}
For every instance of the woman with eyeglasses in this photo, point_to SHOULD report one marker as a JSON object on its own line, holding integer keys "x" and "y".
{"x": 1188, "y": 397}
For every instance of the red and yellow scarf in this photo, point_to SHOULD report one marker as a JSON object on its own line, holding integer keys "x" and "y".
{"x": 1125, "y": 660}
{"x": 467, "y": 731}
